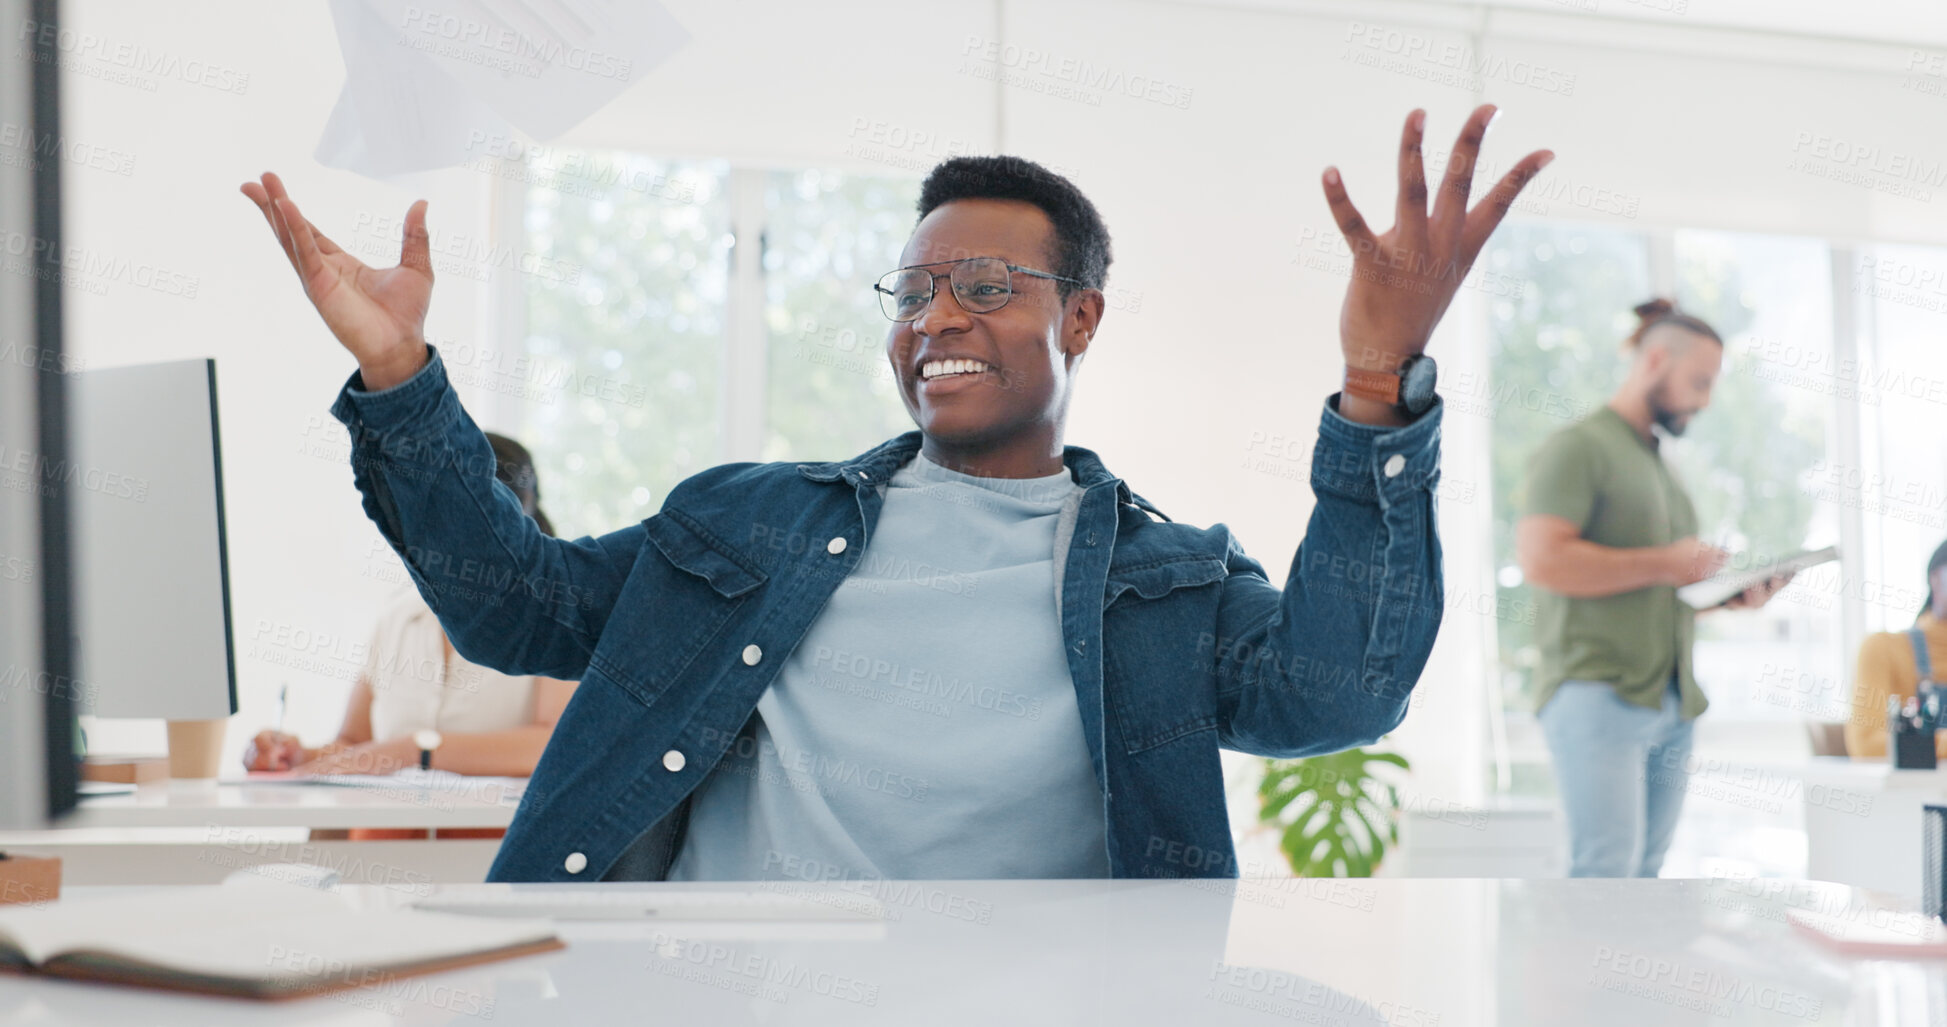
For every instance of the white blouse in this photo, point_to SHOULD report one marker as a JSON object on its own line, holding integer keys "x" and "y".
{"x": 415, "y": 686}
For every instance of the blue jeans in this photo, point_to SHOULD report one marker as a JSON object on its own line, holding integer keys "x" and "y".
{"x": 1621, "y": 771}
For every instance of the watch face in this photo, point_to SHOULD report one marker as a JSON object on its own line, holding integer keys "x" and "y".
{"x": 426, "y": 739}
{"x": 1416, "y": 383}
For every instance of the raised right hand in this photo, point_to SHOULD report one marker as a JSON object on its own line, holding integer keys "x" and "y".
{"x": 1688, "y": 560}
{"x": 380, "y": 316}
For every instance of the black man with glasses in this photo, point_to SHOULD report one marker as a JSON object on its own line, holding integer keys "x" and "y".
{"x": 970, "y": 651}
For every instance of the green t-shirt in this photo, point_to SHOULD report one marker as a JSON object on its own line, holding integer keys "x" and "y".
{"x": 1601, "y": 476}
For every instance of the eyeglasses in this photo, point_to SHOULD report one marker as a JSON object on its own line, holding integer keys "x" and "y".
{"x": 981, "y": 285}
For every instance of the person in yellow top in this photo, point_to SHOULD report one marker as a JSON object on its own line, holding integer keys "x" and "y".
{"x": 1891, "y": 663}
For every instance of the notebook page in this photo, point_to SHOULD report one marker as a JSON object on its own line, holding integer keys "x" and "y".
{"x": 326, "y": 945}
{"x": 258, "y": 933}
{"x": 179, "y": 915}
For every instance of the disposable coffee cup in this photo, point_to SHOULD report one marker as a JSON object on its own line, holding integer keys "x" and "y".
{"x": 195, "y": 748}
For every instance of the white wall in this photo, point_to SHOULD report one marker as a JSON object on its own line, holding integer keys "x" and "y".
{"x": 301, "y": 550}
{"x": 1220, "y": 337}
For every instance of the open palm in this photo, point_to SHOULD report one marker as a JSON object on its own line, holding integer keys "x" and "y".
{"x": 379, "y": 315}
{"x": 1403, "y": 280}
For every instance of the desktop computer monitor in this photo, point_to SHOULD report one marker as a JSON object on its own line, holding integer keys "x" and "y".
{"x": 152, "y": 583}
{"x": 38, "y": 683}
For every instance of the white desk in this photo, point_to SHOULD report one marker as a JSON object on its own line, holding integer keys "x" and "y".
{"x": 1397, "y": 953}
{"x": 167, "y": 834}
{"x": 1862, "y": 821}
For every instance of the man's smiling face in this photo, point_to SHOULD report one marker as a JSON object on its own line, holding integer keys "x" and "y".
{"x": 1028, "y": 350}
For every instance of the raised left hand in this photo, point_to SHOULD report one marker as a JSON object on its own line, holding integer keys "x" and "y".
{"x": 1402, "y": 281}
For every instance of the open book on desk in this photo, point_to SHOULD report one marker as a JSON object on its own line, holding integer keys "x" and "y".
{"x": 1726, "y": 585}
{"x": 271, "y": 941}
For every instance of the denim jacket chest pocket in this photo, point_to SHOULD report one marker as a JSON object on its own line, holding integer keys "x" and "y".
{"x": 1157, "y": 668}
{"x": 685, "y": 587}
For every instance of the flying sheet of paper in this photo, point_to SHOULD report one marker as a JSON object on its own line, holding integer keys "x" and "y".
{"x": 436, "y": 83}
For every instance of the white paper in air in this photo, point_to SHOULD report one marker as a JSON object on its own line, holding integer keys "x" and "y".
{"x": 436, "y": 83}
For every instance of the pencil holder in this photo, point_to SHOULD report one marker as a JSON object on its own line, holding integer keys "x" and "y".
{"x": 1912, "y": 750}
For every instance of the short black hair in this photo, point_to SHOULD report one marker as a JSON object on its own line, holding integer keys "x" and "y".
{"x": 1081, "y": 243}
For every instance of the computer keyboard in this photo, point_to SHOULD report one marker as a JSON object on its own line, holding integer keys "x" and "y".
{"x": 584, "y": 903}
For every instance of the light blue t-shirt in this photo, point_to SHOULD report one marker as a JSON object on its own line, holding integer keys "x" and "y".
{"x": 927, "y": 726}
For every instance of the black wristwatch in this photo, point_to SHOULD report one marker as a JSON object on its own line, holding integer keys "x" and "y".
{"x": 427, "y": 739}
{"x": 1408, "y": 390}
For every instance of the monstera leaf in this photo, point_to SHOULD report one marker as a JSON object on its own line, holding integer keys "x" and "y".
{"x": 1337, "y": 816}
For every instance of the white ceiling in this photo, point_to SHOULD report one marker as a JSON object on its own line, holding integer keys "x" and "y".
{"x": 1915, "y": 23}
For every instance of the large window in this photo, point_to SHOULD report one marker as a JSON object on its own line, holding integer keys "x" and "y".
{"x": 1558, "y": 342}
{"x": 675, "y": 292}
{"x": 829, "y": 237}
{"x": 1769, "y": 430}
{"x": 1899, "y": 480}
{"x": 624, "y": 338}
{"x": 1810, "y": 439}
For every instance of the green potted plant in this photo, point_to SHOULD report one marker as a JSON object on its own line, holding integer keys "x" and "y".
{"x": 1335, "y": 815}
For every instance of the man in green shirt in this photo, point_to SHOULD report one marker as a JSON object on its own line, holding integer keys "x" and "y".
{"x": 1606, "y": 536}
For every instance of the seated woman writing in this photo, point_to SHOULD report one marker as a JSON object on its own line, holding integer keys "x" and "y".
{"x": 1893, "y": 663}
{"x": 417, "y": 696}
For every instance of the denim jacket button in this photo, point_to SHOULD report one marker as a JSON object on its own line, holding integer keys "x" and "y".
{"x": 674, "y": 761}
{"x": 835, "y": 546}
{"x": 752, "y": 654}
{"x": 575, "y": 863}
{"x": 1394, "y": 465}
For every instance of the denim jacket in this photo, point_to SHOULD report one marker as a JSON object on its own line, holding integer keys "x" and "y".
{"x": 1177, "y": 642}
